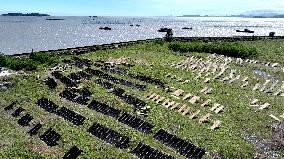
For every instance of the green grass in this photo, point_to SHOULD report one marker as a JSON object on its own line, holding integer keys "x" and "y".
{"x": 222, "y": 48}
{"x": 238, "y": 119}
{"x": 268, "y": 51}
{"x": 31, "y": 63}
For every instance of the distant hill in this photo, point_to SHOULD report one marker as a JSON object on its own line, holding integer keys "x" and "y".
{"x": 27, "y": 14}
{"x": 279, "y": 16}
{"x": 263, "y": 13}
{"x": 194, "y": 15}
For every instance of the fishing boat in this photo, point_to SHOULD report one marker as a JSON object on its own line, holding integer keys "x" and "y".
{"x": 163, "y": 29}
{"x": 105, "y": 28}
{"x": 187, "y": 28}
{"x": 245, "y": 31}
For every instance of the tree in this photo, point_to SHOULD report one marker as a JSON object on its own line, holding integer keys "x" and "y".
{"x": 272, "y": 34}
{"x": 169, "y": 35}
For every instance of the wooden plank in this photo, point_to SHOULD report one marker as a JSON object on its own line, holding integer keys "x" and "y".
{"x": 256, "y": 87}
{"x": 185, "y": 111}
{"x": 186, "y": 81}
{"x": 169, "y": 75}
{"x": 169, "y": 104}
{"x": 264, "y": 106}
{"x": 218, "y": 110}
{"x": 160, "y": 100}
{"x": 245, "y": 79}
{"x": 187, "y": 96}
{"x": 178, "y": 92}
{"x": 182, "y": 108}
{"x": 216, "y": 125}
{"x": 278, "y": 92}
{"x": 156, "y": 98}
{"x": 215, "y": 106}
{"x": 205, "y": 118}
{"x": 194, "y": 99}
{"x": 206, "y": 103}
{"x": 207, "y": 80}
{"x": 203, "y": 90}
{"x": 208, "y": 91}
{"x": 194, "y": 114}
{"x": 152, "y": 96}
{"x": 254, "y": 101}
{"x": 274, "y": 117}
{"x": 174, "y": 106}
{"x": 166, "y": 102}
{"x": 225, "y": 79}
{"x": 244, "y": 85}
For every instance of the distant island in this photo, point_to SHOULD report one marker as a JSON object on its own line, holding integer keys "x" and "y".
{"x": 248, "y": 14}
{"x": 241, "y": 16}
{"x": 27, "y": 14}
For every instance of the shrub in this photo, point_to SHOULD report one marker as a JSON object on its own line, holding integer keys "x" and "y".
{"x": 229, "y": 49}
{"x": 29, "y": 64}
{"x": 19, "y": 64}
{"x": 42, "y": 58}
{"x": 159, "y": 42}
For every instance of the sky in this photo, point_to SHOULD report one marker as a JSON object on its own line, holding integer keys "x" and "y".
{"x": 139, "y": 7}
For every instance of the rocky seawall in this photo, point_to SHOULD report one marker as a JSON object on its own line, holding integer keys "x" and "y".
{"x": 86, "y": 49}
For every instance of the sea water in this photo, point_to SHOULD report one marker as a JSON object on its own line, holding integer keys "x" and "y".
{"x": 24, "y": 34}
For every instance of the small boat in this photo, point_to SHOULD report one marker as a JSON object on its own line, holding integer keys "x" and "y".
{"x": 163, "y": 29}
{"x": 187, "y": 28}
{"x": 245, "y": 31}
{"x": 54, "y": 19}
{"x": 105, "y": 28}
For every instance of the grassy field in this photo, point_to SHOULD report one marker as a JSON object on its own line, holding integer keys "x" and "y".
{"x": 240, "y": 121}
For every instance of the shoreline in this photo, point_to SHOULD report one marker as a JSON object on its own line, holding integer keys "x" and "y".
{"x": 86, "y": 49}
